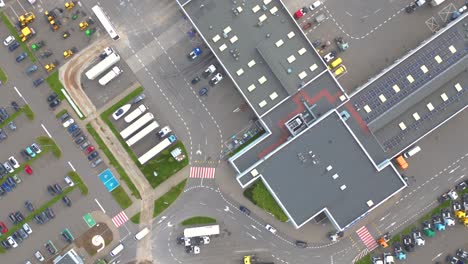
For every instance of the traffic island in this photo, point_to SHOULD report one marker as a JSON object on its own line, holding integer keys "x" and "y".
{"x": 198, "y": 220}
{"x": 258, "y": 194}
{"x": 168, "y": 198}
{"x": 95, "y": 239}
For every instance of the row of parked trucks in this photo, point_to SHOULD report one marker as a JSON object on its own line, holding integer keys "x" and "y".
{"x": 108, "y": 59}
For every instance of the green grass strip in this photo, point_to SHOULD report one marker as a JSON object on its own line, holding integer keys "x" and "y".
{"x": 28, "y": 112}
{"x": 78, "y": 182}
{"x": 121, "y": 197}
{"x": 252, "y": 139}
{"x": 59, "y": 114}
{"x": 113, "y": 161}
{"x": 135, "y": 219}
{"x": 54, "y": 83}
{"x": 49, "y": 144}
{"x": 122, "y": 102}
{"x": 25, "y": 109}
{"x": 258, "y": 194}
{"x": 15, "y": 34}
{"x": 3, "y": 76}
{"x": 168, "y": 198}
{"x": 198, "y": 220}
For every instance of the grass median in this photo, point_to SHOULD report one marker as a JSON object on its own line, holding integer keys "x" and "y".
{"x": 198, "y": 220}
{"x": 49, "y": 144}
{"x": 136, "y": 218}
{"x": 24, "y": 109}
{"x": 258, "y": 194}
{"x": 121, "y": 197}
{"x": 113, "y": 161}
{"x": 3, "y": 76}
{"x": 55, "y": 84}
{"x": 168, "y": 198}
{"x": 78, "y": 182}
{"x": 15, "y": 34}
{"x": 164, "y": 164}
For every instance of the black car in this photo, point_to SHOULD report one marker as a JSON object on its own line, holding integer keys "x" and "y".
{"x": 21, "y": 57}
{"x": 66, "y": 201}
{"x": 66, "y": 237}
{"x": 3, "y": 136}
{"x": 64, "y": 117}
{"x": 52, "y": 97}
{"x": 29, "y": 206}
{"x": 50, "y": 248}
{"x": 80, "y": 140}
{"x": 93, "y": 155}
{"x": 58, "y": 188}
{"x": 45, "y": 217}
{"x": 5, "y": 244}
{"x": 2, "y": 191}
{"x": 301, "y": 244}
{"x": 13, "y": 46}
{"x": 39, "y": 219}
{"x": 38, "y": 82}
{"x": 4, "y": 113}
{"x": 50, "y": 213}
{"x": 12, "y": 218}
{"x": 16, "y": 236}
{"x": 22, "y": 233}
{"x": 54, "y": 103}
{"x": 25, "y": 155}
{"x": 195, "y": 80}
{"x": 3, "y": 171}
{"x": 244, "y": 210}
{"x": 408, "y": 243}
{"x": 76, "y": 133}
{"x": 15, "y": 106}
{"x": 51, "y": 190}
{"x": 19, "y": 216}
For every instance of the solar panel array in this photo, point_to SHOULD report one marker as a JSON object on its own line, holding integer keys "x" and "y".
{"x": 395, "y": 86}
{"x": 396, "y": 140}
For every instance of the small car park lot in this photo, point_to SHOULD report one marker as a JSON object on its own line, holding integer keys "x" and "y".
{"x": 371, "y": 29}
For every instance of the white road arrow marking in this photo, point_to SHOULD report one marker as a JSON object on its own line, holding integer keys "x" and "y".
{"x": 251, "y": 235}
{"x": 392, "y": 224}
{"x": 226, "y": 209}
{"x": 169, "y": 224}
{"x": 162, "y": 219}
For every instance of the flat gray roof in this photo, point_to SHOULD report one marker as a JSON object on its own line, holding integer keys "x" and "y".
{"x": 259, "y": 45}
{"x": 343, "y": 189}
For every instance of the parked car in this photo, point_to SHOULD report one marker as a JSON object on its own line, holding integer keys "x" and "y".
{"x": 76, "y": 133}
{"x": 69, "y": 181}
{"x": 50, "y": 213}
{"x": 50, "y": 248}
{"x": 39, "y": 256}
{"x": 22, "y": 233}
{"x": 8, "y": 167}
{"x": 25, "y": 155}
{"x": 64, "y": 117}
{"x": 19, "y": 216}
{"x": 138, "y": 98}
{"x": 45, "y": 217}
{"x": 3, "y": 135}
{"x": 89, "y": 149}
{"x": 8, "y": 40}
{"x": 27, "y": 228}
{"x": 72, "y": 128}
{"x": 39, "y": 219}
{"x": 6, "y": 187}
{"x": 51, "y": 190}
{"x": 52, "y": 97}
{"x": 12, "y": 126}
{"x": 54, "y": 103}
{"x": 28, "y": 169}
{"x": 16, "y": 178}
{"x": 15, "y": 106}
{"x": 12, "y": 242}
{"x": 68, "y": 122}
{"x": 66, "y": 201}
{"x": 80, "y": 140}
{"x": 21, "y": 57}
{"x": 66, "y": 237}
{"x": 58, "y": 188}
{"x": 12, "y": 160}
{"x": 93, "y": 155}
{"x": 5, "y": 244}
{"x": 29, "y": 206}
{"x": 11, "y": 182}
{"x": 244, "y": 209}
{"x": 12, "y": 218}
{"x": 13, "y": 46}
{"x": 216, "y": 79}
{"x": 195, "y": 80}
{"x": 96, "y": 162}
{"x": 3, "y": 228}
{"x": 85, "y": 145}
{"x": 31, "y": 69}
{"x": 35, "y": 147}
{"x": 4, "y": 113}
{"x": 38, "y": 82}
{"x": 30, "y": 152}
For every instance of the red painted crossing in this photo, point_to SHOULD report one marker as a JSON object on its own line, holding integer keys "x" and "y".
{"x": 202, "y": 172}
{"x": 367, "y": 238}
{"x": 120, "y": 219}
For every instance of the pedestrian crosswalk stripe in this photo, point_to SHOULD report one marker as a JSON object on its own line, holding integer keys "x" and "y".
{"x": 202, "y": 172}
{"x": 120, "y": 219}
{"x": 367, "y": 238}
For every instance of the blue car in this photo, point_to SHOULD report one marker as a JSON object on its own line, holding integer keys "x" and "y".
{"x": 72, "y": 128}
{"x": 6, "y": 187}
{"x": 30, "y": 152}
{"x": 11, "y": 182}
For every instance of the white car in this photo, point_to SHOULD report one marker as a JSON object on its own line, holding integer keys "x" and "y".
{"x": 2, "y": 4}
{"x": 69, "y": 181}
{"x": 8, "y": 167}
{"x": 68, "y": 122}
{"x": 329, "y": 57}
{"x": 13, "y": 162}
{"x": 315, "y": 5}
{"x": 10, "y": 39}
{"x": 206, "y": 240}
{"x": 39, "y": 256}
{"x": 270, "y": 228}
{"x": 12, "y": 242}
{"x": 121, "y": 111}
{"x": 216, "y": 79}
{"x": 36, "y": 148}
{"x": 27, "y": 228}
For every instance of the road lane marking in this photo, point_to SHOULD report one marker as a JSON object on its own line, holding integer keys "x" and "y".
{"x": 20, "y": 95}
{"x": 100, "y": 206}
{"x": 438, "y": 255}
{"x": 45, "y": 129}
{"x": 71, "y": 166}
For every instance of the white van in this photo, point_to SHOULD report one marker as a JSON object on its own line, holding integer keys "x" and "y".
{"x": 117, "y": 250}
{"x": 412, "y": 151}
{"x": 140, "y": 235}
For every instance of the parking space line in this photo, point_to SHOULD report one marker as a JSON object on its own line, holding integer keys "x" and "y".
{"x": 20, "y": 95}
{"x": 100, "y": 206}
{"x": 71, "y": 166}
{"x": 16, "y": 14}
{"x": 21, "y": 5}
{"x": 45, "y": 129}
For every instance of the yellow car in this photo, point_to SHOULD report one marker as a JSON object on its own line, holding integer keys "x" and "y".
{"x": 339, "y": 71}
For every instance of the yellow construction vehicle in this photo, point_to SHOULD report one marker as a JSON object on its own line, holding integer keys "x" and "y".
{"x": 53, "y": 25}
{"x": 51, "y": 17}
{"x": 383, "y": 240}
{"x": 26, "y": 33}
{"x": 26, "y": 18}
{"x": 83, "y": 25}
{"x": 465, "y": 221}
{"x": 69, "y": 5}
{"x": 49, "y": 67}
{"x": 460, "y": 215}
{"x": 70, "y": 52}
{"x": 251, "y": 259}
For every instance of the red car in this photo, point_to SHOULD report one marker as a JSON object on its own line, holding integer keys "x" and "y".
{"x": 300, "y": 13}
{"x": 89, "y": 149}
{"x": 28, "y": 169}
{"x": 3, "y": 228}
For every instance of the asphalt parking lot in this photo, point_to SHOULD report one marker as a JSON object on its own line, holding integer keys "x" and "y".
{"x": 378, "y": 32}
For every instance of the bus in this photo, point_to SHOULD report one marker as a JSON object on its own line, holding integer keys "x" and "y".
{"x": 145, "y": 131}
{"x": 128, "y": 131}
{"x": 157, "y": 149}
{"x": 105, "y": 22}
{"x": 201, "y": 231}
{"x": 102, "y": 66}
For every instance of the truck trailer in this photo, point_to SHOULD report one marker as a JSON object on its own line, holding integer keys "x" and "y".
{"x": 102, "y": 66}
{"x": 157, "y": 149}
{"x": 112, "y": 74}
